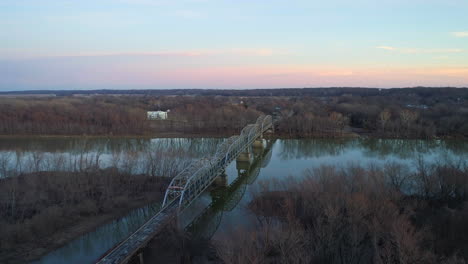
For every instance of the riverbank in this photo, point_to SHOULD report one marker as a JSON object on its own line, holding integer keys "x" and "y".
{"x": 36, "y": 249}
{"x": 348, "y": 133}
{"x": 54, "y": 214}
{"x": 226, "y": 135}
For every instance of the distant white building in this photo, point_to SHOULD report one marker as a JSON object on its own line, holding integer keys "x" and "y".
{"x": 157, "y": 115}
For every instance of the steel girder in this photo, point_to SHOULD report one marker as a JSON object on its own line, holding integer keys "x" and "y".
{"x": 229, "y": 199}
{"x": 194, "y": 179}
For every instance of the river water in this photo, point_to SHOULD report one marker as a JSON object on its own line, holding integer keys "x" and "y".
{"x": 222, "y": 210}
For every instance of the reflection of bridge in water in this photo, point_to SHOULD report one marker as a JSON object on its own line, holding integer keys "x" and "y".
{"x": 226, "y": 197}
{"x": 191, "y": 183}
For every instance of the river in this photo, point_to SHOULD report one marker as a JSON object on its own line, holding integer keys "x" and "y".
{"x": 222, "y": 210}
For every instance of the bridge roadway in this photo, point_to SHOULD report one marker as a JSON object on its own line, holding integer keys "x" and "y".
{"x": 226, "y": 198}
{"x": 185, "y": 188}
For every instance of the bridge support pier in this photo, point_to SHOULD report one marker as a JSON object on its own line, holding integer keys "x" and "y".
{"x": 258, "y": 143}
{"x": 243, "y": 161}
{"x": 269, "y": 131}
{"x": 221, "y": 180}
{"x": 244, "y": 157}
{"x": 258, "y": 147}
{"x": 140, "y": 258}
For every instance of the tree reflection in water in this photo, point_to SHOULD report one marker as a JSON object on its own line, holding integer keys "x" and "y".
{"x": 91, "y": 246}
{"x": 371, "y": 148}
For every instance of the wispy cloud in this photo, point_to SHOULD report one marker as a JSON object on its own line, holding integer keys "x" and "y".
{"x": 386, "y": 48}
{"x": 188, "y": 14}
{"x": 115, "y": 54}
{"x": 460, "y": 34}
{"x": 442, "y": 57}
{"x": 159, "y": 2}
{"x": 248, "y": 52}
{"x": 336, "y": 73}
{"x": 146, "y": 2}
{"x": 419, "y": 50}
{"x": 87, "y": 74}
{"x": 452, "y": 72}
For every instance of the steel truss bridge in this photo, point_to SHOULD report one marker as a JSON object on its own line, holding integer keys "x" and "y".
{"x": 193, "y": 180}
{"x": 186, "y": 187}
{"x": 225, "y": 199}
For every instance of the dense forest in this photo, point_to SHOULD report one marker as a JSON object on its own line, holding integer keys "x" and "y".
{"x": 321, "y": 112}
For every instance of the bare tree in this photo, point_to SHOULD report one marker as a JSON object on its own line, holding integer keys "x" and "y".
{"x": 398, "y": 175}
{"x": 384, "y": 117}
{"x": 5, "y": 159}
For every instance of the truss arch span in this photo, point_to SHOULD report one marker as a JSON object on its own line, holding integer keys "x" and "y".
{"x": 193, "y": 180}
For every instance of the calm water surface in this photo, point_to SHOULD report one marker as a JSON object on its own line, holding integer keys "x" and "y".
{"x": 220, "y": 211}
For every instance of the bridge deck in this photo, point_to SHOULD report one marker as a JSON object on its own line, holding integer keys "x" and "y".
{"x": 129, "y": 247}
{"x": 186, "y": 187}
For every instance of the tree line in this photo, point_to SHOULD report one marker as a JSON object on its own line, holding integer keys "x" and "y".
{"x": 319, "y": 91}
{"x": 333, "y": 112}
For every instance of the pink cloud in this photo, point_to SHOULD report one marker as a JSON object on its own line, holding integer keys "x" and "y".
{"x": 194, "y": 71}
{"x": 420, "y": 50}
{"x": 260, "y": 52}
{"x": 461, "y": 34}
{"x": 303, "y": 76}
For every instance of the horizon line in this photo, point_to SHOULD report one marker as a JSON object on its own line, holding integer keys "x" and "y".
{"x": 226, "y": 89}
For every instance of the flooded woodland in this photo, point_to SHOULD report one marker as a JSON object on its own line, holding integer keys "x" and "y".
{"x": 51, "y": 184}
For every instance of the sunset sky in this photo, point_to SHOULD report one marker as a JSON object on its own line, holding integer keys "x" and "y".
{"x": 133, "y": 44}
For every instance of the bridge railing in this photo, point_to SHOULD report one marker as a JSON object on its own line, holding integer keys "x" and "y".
{"x": 186, "y": 186}
{"x": 193, "y": 180}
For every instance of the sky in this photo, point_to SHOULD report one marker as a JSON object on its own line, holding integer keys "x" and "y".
{"x": 232, "y": 44}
